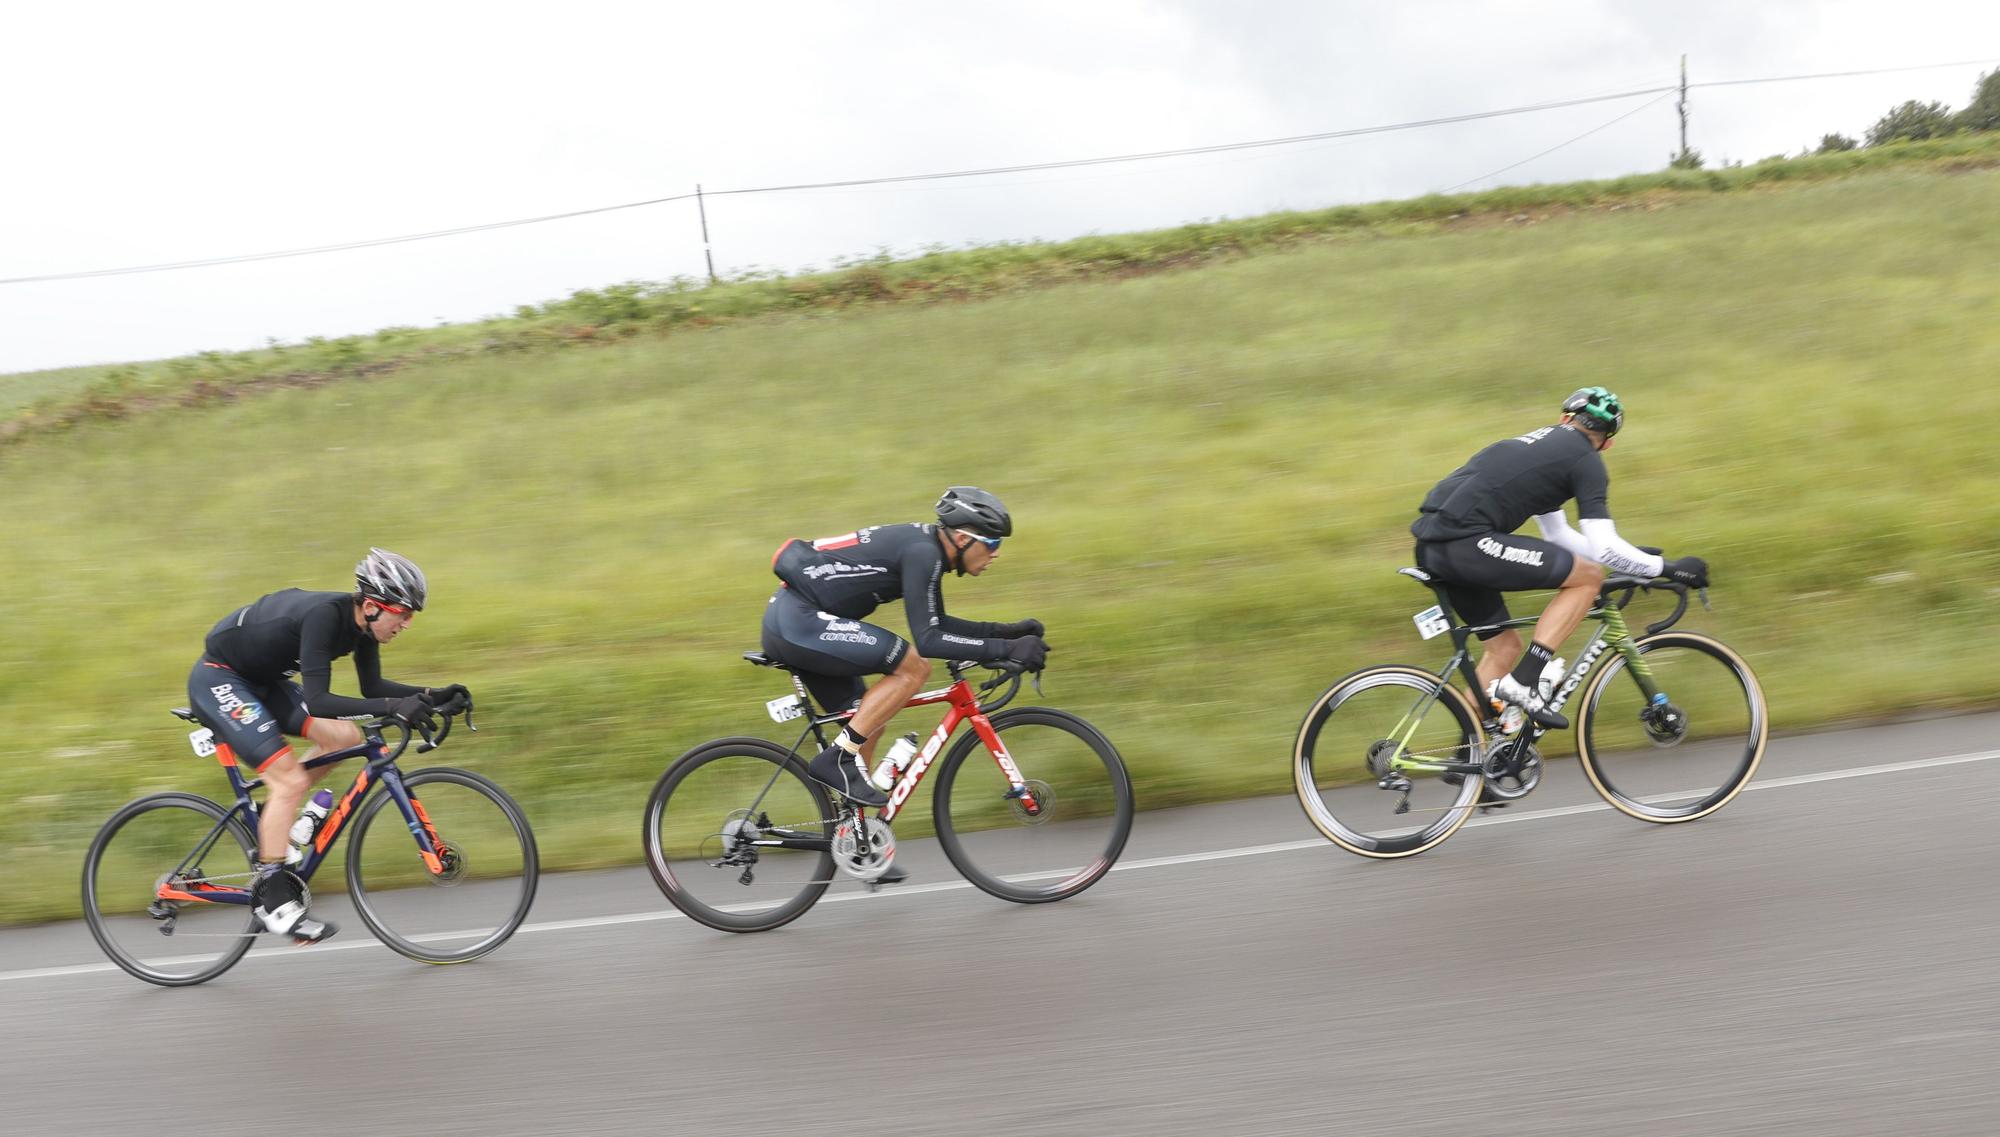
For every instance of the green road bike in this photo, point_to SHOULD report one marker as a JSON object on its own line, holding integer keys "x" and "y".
{"x": 1391, "y": 760}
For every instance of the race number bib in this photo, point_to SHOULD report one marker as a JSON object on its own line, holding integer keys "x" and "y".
{"x": 1431, "y": 622}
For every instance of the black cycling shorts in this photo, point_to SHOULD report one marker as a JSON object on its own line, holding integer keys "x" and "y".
{"x": 1476, "y": 570}
{"x": 252, "y": 719}
{"x": 830, "y": 653}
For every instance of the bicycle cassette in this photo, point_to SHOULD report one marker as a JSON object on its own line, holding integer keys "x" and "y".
{"x": 864, "y": 864}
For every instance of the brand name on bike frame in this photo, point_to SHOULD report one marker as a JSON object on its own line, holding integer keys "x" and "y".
{"x": 1577, "y": 673}
{"x": 907, "y": 784}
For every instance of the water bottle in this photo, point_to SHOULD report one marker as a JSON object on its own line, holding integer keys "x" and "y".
{"x": 307, "y": 825}
{"x": 895, "y": 762}
{"x": 1552, "y": 677}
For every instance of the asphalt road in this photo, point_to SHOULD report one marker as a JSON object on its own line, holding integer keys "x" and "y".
{"x": 1822, "y": 957}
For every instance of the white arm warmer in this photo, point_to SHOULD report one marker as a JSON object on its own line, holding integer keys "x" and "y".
{"x": 1598, "y": 542}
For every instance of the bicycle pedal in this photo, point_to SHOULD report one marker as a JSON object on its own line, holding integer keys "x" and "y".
{"x": 1490, "y": 806}
{"x": 749, "y": 874}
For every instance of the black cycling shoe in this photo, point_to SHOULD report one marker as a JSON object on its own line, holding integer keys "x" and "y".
{"x": 897, "y": 874}
{"x": 846, "y": 774}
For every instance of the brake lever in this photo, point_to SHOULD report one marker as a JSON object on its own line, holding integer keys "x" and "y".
{"x": 1035, "y": 678}
{"x": 1704, "y": 600}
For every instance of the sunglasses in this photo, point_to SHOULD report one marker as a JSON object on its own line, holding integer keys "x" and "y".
{"x": 992, "y": 543}
{"x": 392, "y": 609}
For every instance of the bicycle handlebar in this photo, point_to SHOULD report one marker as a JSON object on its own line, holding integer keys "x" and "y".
{"x": 430, "y": 739}
{"x": 1010, "y": 673}
{"x": 1632, "y": 585}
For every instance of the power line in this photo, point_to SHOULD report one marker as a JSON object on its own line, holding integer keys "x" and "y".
{"x": 214, "y": 261}
{"x": 1025, "y": 168}
{"x": 1842, "y": 74}
{"x": 1579, "y": 138}
{"x": 1218, "y": 148}
{"x": 1073, "y": 163}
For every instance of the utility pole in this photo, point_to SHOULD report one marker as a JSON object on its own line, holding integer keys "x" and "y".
{"x": 701, "y": 205}
{"x": 1682, "y": 106}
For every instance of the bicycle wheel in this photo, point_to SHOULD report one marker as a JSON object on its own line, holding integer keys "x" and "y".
{"x": 1343, "y": 746}
{"x": 1685, "y": 758}
{"x": 485, "y": 879}
{"x": 169, "y": 843}
{"x": 707, "y": 809}
{"x": 1084, "y": 807}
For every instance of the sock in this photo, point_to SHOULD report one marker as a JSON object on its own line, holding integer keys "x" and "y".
{"x": 851, "y": 741}
{"x": 1532, "y": 661}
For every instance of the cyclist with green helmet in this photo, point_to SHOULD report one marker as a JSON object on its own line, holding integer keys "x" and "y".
{"x": 1466, "y": 540}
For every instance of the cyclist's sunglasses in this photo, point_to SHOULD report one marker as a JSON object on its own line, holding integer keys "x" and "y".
{"x": 992, "y": 543}
{"x": 392, "y": 609}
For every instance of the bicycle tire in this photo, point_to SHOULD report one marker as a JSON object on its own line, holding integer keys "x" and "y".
{"x": 661, "y": 865}
{"x": 1306, "y": 749}
{"x": 1634, "y": 805}
{"x": 1099, "y": 861}
{"x": 95, "y": 916}
{"x": 380, "y": 925}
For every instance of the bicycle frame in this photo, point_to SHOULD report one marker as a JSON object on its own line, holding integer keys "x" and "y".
{"x": 964, "y": 707}
{"x": 381, "y": 767}
{"x": 1612, "y": 634}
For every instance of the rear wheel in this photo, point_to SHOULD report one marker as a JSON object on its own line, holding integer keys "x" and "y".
{"x": 710, "y": 827}
{"x": 1053, "y": 841}
{"x": 144, "y": 877}
{"x": 1344, "y": 748}
{"x": 1686, "y": 756}
{"x": 477, "y": 893}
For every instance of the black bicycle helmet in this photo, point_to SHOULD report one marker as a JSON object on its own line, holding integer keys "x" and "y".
{"x": 387, "y": 578}
{"x": 975, "y": 511}
{"x": 1599, "y": 409}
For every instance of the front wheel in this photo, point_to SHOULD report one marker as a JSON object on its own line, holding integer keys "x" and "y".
{"x": 473, "y": 896}
{"x": 738, "y": 836}
{"x": 1053, "y": 836}
{"x": 1684, "y": 754}
{"x": 1349, "y": 763}
{"x": 147, "y": 882}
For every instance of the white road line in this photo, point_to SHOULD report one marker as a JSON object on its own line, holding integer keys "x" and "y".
{"x": 1123, "y": 866}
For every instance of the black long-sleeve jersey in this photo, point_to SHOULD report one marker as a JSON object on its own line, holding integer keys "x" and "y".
{"x": 853, "y": 574}
{"x": 301, "y": 632}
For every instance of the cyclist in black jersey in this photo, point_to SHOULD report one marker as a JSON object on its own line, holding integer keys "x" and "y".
{"x": 813, "y": 623}
{"x": 242, "y": 690}
{"x": 1465, "y": 538}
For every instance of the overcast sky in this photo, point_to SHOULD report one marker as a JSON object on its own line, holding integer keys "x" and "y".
{"x": 141, "y": 133}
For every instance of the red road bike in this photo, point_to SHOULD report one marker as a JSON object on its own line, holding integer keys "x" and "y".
{"x": 741, "y": 838}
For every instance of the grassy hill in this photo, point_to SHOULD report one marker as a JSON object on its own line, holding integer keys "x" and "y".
{"x": 1211, "y": 470}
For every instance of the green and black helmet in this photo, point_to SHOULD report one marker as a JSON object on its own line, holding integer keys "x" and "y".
{"x": 1599, "y": 409}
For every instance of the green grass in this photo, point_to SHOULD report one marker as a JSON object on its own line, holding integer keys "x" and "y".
{"x": 1212, "y": 473}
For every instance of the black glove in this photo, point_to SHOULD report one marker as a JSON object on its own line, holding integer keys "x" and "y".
{"x": 1031, "y": 652}
{"x": 439, "y": 696}
{"x": 1016, "y": 630}
{"x": 411, "y": 711}
{"x": 1691, "y": 571}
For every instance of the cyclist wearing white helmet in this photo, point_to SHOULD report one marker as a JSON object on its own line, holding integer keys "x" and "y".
{"x": 813, "y": 623}
{"x": 242, "y": 689}
{"x": 1465, "y": 539}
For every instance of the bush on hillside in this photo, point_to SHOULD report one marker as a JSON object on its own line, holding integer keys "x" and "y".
{"x": 1983, "y": 113}
{"x": 1911, "y": 122}
{"x": 1836, "y": 143}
